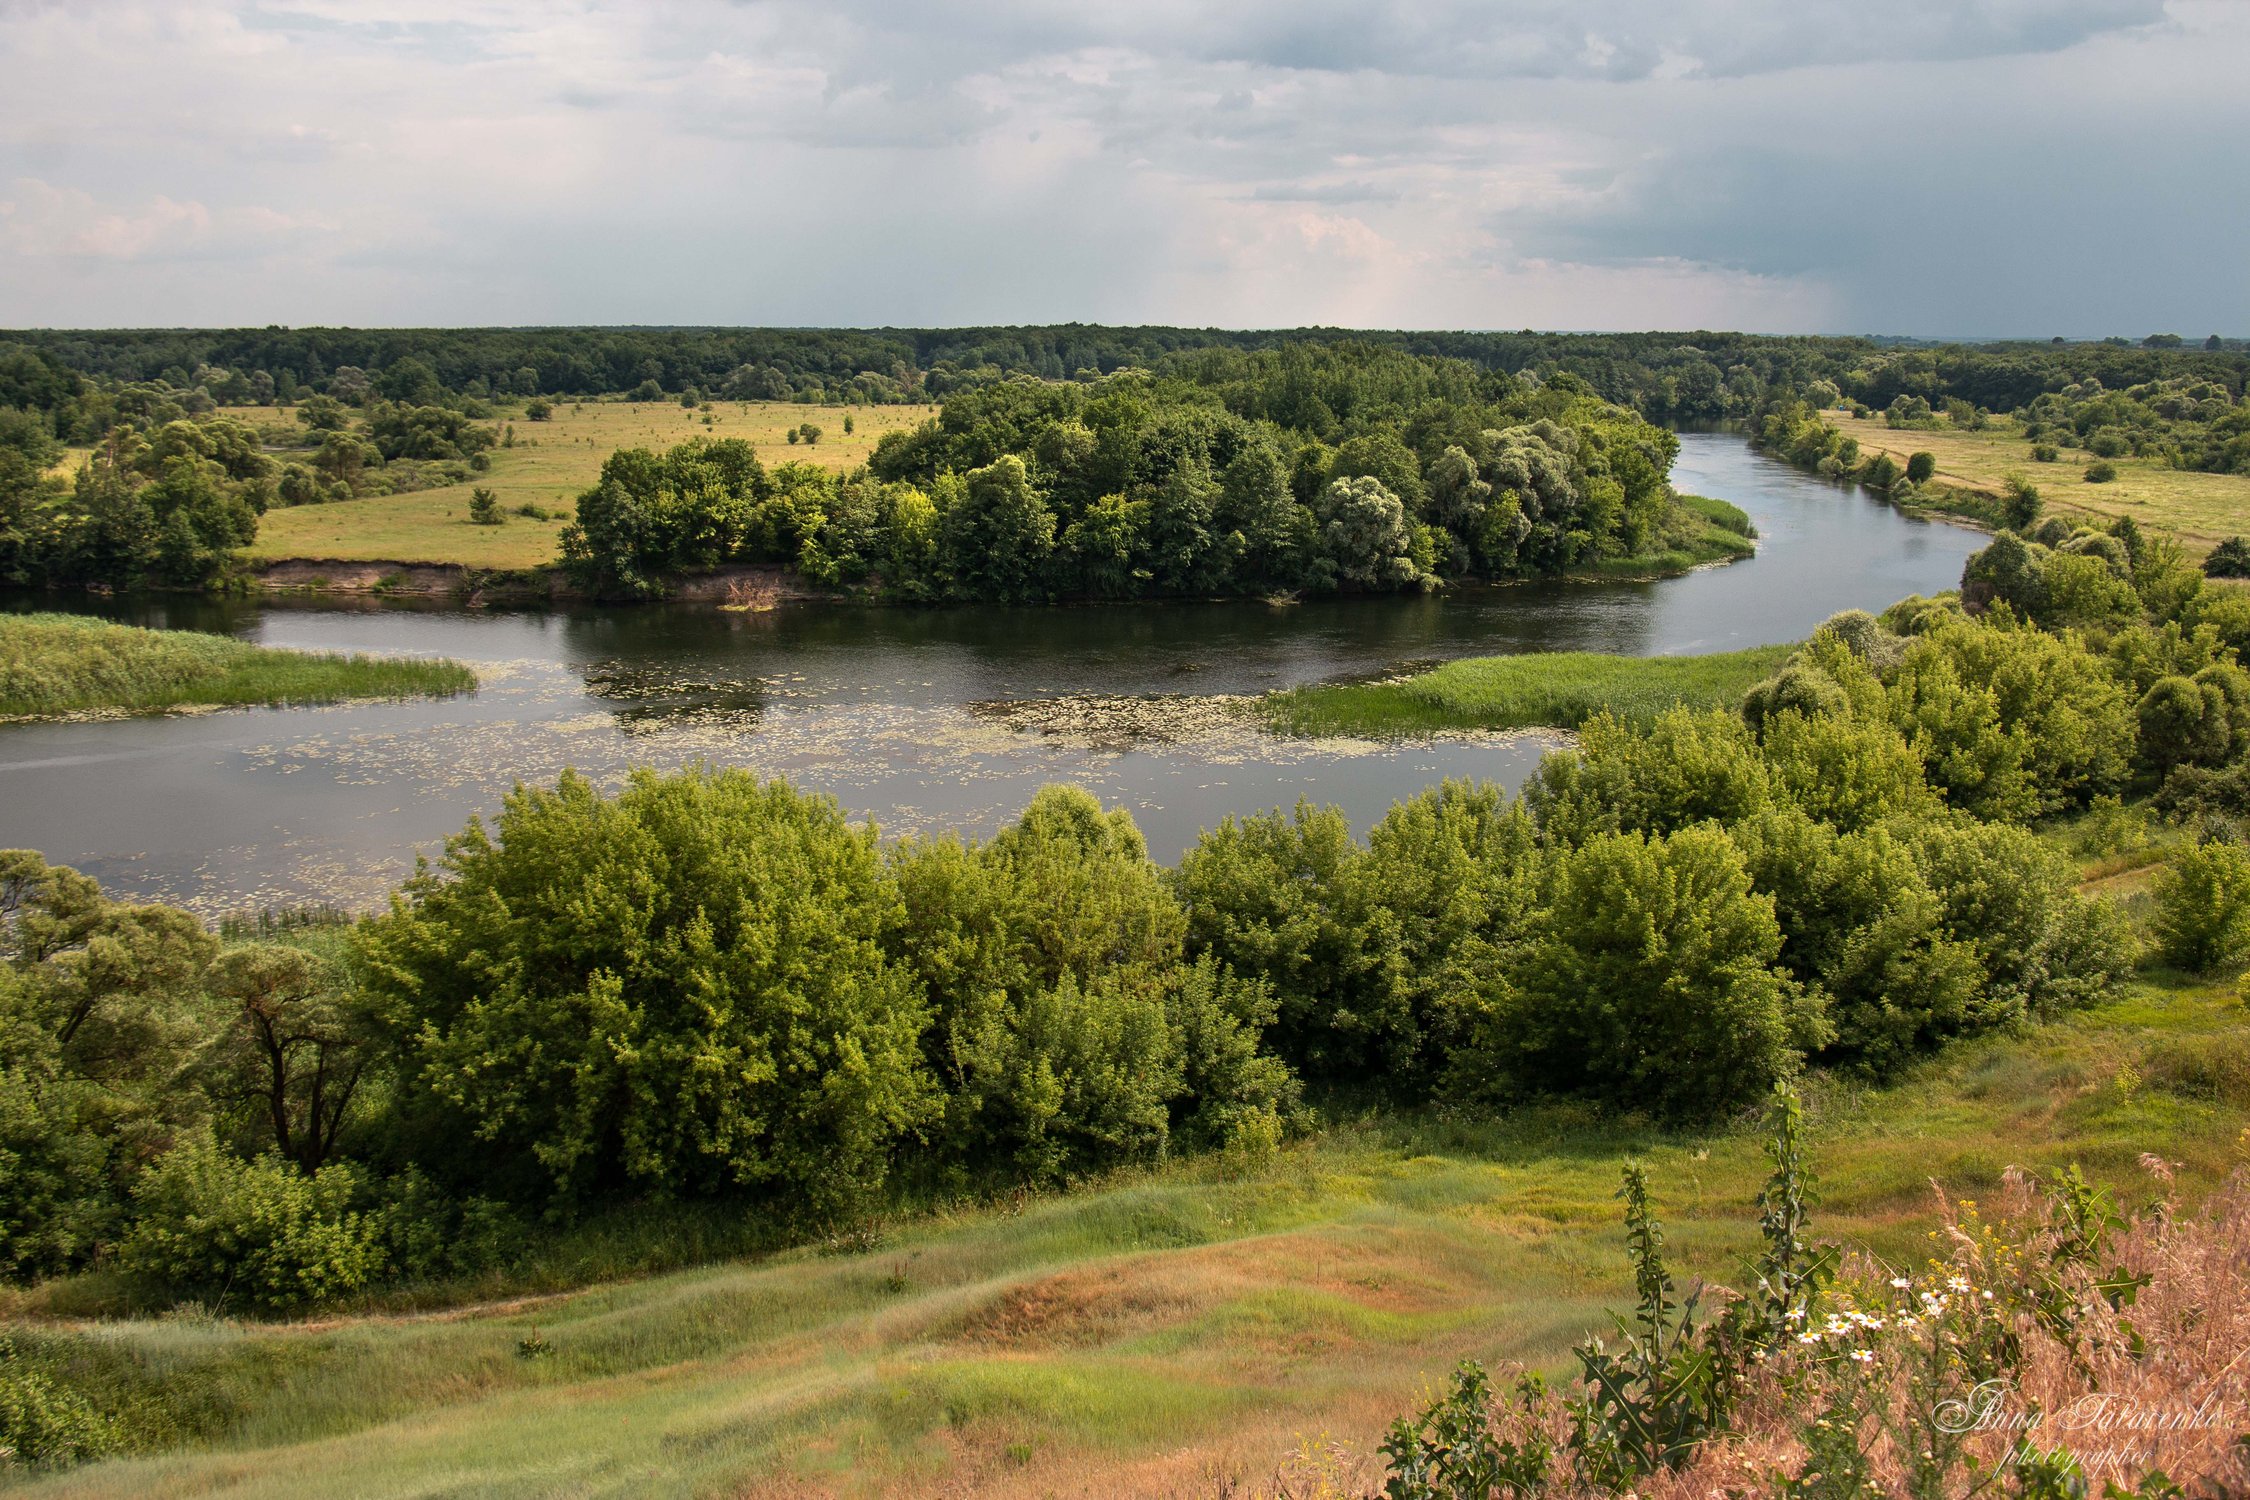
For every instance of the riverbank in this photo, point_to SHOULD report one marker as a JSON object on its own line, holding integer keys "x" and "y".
{"x": 1546, "y": 690}
{"x": 1698, "y": 533}
{"x": 1974, "y": 470}
{"x": 56, "y": 665}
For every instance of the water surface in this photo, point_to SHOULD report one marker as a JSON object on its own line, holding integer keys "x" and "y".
{"x": 891, "y": 710}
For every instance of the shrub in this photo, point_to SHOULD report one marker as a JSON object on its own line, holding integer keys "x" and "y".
{"x": 1069, "y": 1079}
{"x": 1646, "y": 983}
{"x": 2100, "y": 471}
{"x": 2202, "y": 918}
{"x": 539, "y": 410}
{"x": 2044, "y": 453}
{"x": 484, "y": 508}
{"x": 1842, "y": 769}
{"x": 2108, "y": 442}
{"x": 2230, "y": 559}
{"x": 212, "y": 1225}
{"x": 2072, "y": 725}
{"x": 45, "y": 1425}
{"x": 1920, "y": 466}
{"x": 2019, "y": 503}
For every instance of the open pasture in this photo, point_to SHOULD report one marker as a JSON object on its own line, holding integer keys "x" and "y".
{"x": 550, "y": 463}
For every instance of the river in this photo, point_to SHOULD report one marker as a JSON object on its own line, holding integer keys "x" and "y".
{"x": 910, "y": 717}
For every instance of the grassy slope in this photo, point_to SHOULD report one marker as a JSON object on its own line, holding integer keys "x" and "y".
{"x": 1147, "y": 1336}
{"x": 57, "y": 664}
{"x": 1542, "y": 689}
{"x": 2199, "y": 509}
{"x": 549, "y": 465}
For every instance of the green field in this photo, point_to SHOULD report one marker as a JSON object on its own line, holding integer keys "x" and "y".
{"x": 2201, "y": 510}
{"x": 1155, "y": 1335}
{"x": 549, "y": 465}
{"x": 64, "y": 664}
{"x": 1538, "y": 690}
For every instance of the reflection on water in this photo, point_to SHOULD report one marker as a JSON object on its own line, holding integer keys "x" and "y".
{"x": 907, "y": 716}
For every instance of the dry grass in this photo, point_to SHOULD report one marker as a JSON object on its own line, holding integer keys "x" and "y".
{"x": 2199, "y": 509}
{"x": 1174, "y": 1333}
{"x": 549, "y": 465}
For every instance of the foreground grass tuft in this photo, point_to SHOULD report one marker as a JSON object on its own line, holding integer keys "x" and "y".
{"x": 61, "y": 664}
{"x": 1557, "y": 690}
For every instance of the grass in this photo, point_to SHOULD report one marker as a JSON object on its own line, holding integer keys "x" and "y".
{"x": 64, "y": 664}
{"x": 1697, "y": 533}
{"x": 1152, "y": 1335}
{"x": 1550, "y": 689}
{"x": 550, "y": 464}
{"x": 2200, "y": 510}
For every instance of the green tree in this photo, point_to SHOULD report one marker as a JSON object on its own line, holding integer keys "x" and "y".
{"x": 484, "y": 507}
{"x": 679, "y": 990}
{"x": 1363, "y": 535}
{"x": 1283, "y": 897}
{"x": 995, "y": 535}
{"x": 291, "y": 1050}
{"x": 1684, "y": 768}
{"x": 1647, "y": 983}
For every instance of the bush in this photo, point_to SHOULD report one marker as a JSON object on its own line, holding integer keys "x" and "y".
{"x": 1920, "y": 466}
{"x": 539, "y": 410}
{"x": 484, "y": 508}
{"x": 2203, "y": 907}
{"x": 2230, "y": 559}
{"x": 2019, "y": 503}
{"x": 2100, "y": 471}
{"x": 1646, "y": 983}
{"x": 45, "y": 1425}
{"x": 2044, "y": 453}
{"x": 213, "y": 1226}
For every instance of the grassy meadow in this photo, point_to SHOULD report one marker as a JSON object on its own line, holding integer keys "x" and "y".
{"x": 550, "y": 463}
{"x": 2200, "y": 510}
{"x": 63, "y": 664}
{"x": 1539, "y": 690}
{"x": 1159, "y": 1334}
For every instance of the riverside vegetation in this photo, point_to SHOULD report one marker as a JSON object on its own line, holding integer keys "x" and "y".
{"x": 63, "y": 664}
{"x": 712, "y": 1009}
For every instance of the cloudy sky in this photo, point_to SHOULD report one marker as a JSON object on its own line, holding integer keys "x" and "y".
{"x": 1968, "y": 167}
